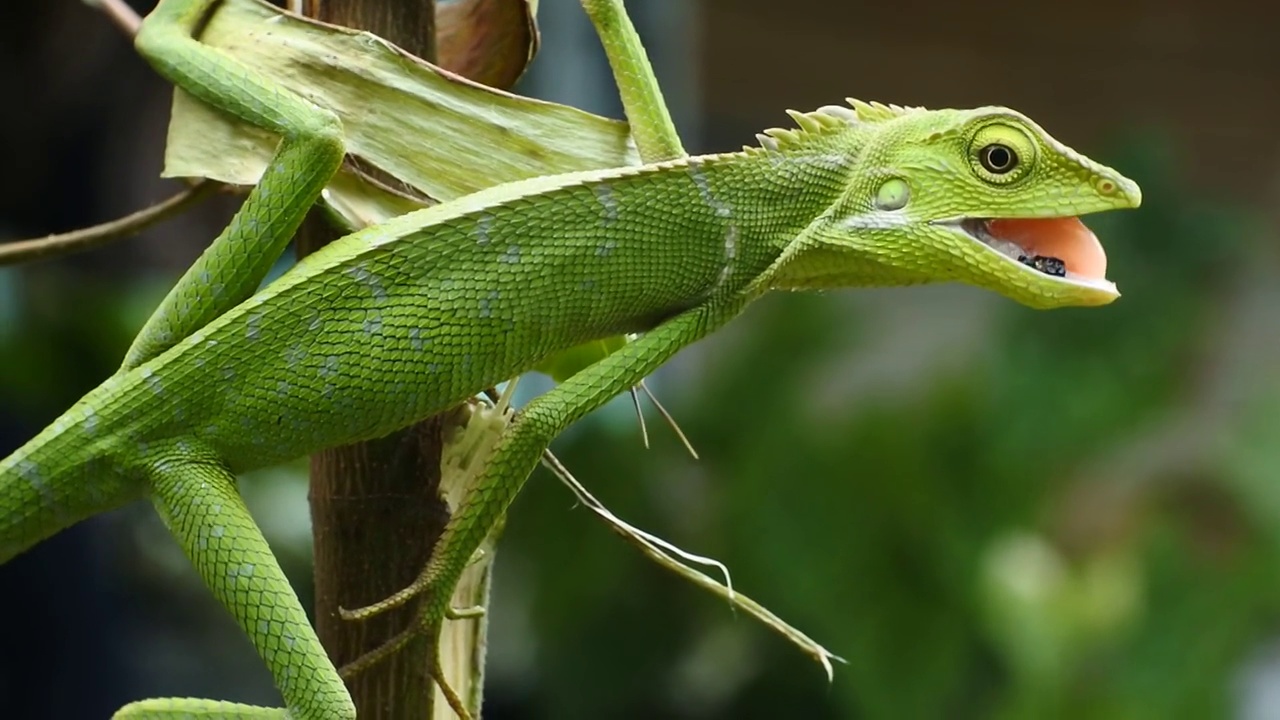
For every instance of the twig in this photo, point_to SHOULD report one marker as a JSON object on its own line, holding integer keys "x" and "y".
{"x": 669, "y": 418}
{"x": 19, "y": 251}
{"x": 654, "y": 546}
{"x": 120, "y": 14}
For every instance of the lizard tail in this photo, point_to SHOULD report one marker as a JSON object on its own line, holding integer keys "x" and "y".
{"x": 45, "y": 487}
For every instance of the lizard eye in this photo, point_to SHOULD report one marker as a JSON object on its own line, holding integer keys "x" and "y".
{"x": 1001, "y": 153}
{"x": 998, "y": 159}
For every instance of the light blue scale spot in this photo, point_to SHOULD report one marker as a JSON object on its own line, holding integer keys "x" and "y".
{"x": 362, "y": 275}
{"x": 153, "y": 382}
{"x": 330, "y": 367}
{"x": 511, "y": 256}
{"x": 608, "y": 202}
{"x": 486, "y": 303}
{"x": 433, "y": 367}
{"x": 218, "y": 531}
{"x": 29, "y": 471}
{"x": 606, "y": 248}
{"x": 373, "y": 323}
{"x": 253, "y": 326}
{"x": 295, "y": 354}
{"x": 206, "y": 277}
{"x": 315, "y": 321}
{"x": 484, "y": 225}
{"x": 282, "y": 387}
{"x": 90, "y": 420}
{"x": 416, "y": 341}
{"x": 704, "y": 189}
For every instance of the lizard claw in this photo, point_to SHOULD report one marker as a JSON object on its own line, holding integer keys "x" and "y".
{"x": 398, "y": 643}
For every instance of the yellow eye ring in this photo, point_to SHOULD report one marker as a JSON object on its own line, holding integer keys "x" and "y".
{"x": 1001, "y": 153}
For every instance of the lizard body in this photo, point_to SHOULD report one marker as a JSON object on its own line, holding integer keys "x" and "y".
{"x": 397, "y": 322}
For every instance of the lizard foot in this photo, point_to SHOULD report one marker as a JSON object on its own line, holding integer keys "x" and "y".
{"x": 434, "y": 671}
{"x": 403, "y": 596}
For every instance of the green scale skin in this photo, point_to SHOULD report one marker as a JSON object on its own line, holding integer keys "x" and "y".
{"x": 394, "y": 323}
{"x": 398, "y": 322}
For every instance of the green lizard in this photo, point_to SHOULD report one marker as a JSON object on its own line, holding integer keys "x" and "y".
{"x": 404, "y": 319}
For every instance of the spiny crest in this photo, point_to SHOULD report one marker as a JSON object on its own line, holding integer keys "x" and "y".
{"x": 879, "y": 112}
{"x": 825, "y": 119}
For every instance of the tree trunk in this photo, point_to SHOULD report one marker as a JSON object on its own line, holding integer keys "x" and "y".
{"x": 376, "y": 507}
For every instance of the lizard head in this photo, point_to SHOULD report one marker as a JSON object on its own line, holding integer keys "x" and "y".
{"x": 984, "y": 196}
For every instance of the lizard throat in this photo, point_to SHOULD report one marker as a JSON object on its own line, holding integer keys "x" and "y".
{"x": 1060, "y": 247}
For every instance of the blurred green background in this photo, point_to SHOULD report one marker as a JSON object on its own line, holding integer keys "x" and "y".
{"x": 988, "y": 511}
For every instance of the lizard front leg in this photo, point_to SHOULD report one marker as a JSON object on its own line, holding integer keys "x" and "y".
{"x": 310, "y": 152}
{"x": 513, "y": 459}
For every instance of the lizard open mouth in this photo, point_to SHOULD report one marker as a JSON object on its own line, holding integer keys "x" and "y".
{"x": 1061, "y": 247}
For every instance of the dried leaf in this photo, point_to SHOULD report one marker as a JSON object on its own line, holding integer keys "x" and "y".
{"x": 439, "y": 134}
{"x": 488, "y": 41}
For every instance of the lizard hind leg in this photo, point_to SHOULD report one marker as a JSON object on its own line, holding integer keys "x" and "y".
{"x": 197, "y": 499}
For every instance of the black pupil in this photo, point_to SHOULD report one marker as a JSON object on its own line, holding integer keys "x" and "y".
{"x": 999, "y": 158}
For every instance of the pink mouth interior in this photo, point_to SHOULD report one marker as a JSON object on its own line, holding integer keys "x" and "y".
{"x": 1066, "y": 239}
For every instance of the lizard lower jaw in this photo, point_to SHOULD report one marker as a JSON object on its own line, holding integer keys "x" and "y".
{"x": 1060, "y": 248}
